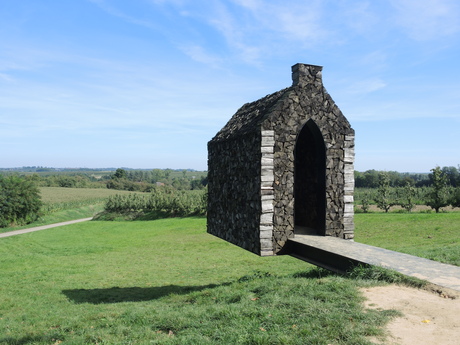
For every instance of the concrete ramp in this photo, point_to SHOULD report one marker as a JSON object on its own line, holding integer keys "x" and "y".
{"x": 340, "y": 255}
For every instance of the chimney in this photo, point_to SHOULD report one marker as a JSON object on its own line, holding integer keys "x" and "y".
{"x": 303, "y": 74}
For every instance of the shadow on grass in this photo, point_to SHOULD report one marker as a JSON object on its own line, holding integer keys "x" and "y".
{"x": 49, "y": 339}
{"x": 141, "y": 294}
{"x": 131, "y": 294}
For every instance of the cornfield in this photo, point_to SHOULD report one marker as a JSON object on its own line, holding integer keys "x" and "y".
{"x": 59, "y": 198}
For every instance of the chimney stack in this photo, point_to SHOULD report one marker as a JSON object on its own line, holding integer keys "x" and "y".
{"x": 303, "y": 74}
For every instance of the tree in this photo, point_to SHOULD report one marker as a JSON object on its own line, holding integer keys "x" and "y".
{"x": 365, "y": 202}
{"x": 406, "y": 197}
{"x": 120, "y": 173}
{"x": 438, "y": 195}
{"x": 19, "y": 201}
{"x": 452, "y": 174}
{"x": 371, "y": 178}
{"x": 383, "y": 198}
{"x": 455, "y": 198}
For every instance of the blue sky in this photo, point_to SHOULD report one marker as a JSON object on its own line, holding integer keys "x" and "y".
{"x": 147, "y": 83}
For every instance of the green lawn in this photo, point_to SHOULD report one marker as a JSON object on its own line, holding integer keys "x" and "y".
{"x": 434, "y": 236}
{"x": 169, "y": 282}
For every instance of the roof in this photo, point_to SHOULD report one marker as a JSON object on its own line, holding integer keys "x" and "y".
{"x": 307, "y": 81}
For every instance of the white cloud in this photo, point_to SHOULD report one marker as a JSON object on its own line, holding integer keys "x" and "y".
{"x": 6, "y": 77}
{"x": 427, "y": 20}
{"x": 124, "y": 16}
{"x": 366, "y": 86}
{"x": 198, "y": 53}
{"x": 376, "y": 60}
{"x": 233, "y": 30}
{"x": 254, "y": 29}
{"x": 360, "y": 16}
{"x": 296, "y": 21}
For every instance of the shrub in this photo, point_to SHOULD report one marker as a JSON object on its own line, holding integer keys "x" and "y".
{"x": 19, "y": 201}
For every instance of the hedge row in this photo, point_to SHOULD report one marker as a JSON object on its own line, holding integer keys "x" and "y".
{"x": 172, "y": 203}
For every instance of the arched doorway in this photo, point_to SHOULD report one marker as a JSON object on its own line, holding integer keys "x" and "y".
{"x": 310, "y": 181}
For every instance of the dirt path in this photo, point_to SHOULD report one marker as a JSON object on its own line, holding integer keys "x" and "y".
{"x": 429, "y": 317}
{"x": 43, "y": 227}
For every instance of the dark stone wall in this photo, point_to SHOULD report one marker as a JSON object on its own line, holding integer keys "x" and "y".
{"x": 234, "y": 204}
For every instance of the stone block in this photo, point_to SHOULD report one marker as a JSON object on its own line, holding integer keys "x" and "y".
{"x": 267, "y": 133}
{"x": 265, "y": 184}
{"x": 268, "y": 141}
{"x": 349, "y": 208}
{"x": 265, "y": 161}
{"x": 266, "y": 218}
{"x": 266, "y": 253}
{"x": 267, "y": 177}
{"x": 267, "y": 206}
{"x": 266, "y": 234}
{"x": 266, "y": 244}
{"x": 348, "y": 199}
{"x": 267, "y": 149}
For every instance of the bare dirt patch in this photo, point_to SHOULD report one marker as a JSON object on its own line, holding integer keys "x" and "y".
{"x": 430, "y": 316}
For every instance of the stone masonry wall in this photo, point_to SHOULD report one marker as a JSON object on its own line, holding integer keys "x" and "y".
{"x": 234, "y": 205}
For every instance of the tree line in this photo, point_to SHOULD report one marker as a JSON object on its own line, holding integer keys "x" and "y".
{"x": 120, "y": 179}
{"x": 371, "y": 178}
{"x": 147, "y": 181}
{"x": 441, "y": 191}
{"x": 20, "y": 201}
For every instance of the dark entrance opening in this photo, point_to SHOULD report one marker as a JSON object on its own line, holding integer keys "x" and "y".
{"x": 310, "y": 181}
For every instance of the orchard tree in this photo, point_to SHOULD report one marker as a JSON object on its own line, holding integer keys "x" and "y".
{"x": 383, "y": 198}
{"x": 365, "y": 202}
{"x": 407, "y": 196}
{"x": 438, "y": 196}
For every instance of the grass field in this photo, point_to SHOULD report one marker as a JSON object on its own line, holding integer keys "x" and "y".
{"x": 168, "y": 282}
{"x": 434, "y": 236}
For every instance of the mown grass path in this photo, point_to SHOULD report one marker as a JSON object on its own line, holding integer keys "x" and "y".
{"x": 43, "y": 227}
